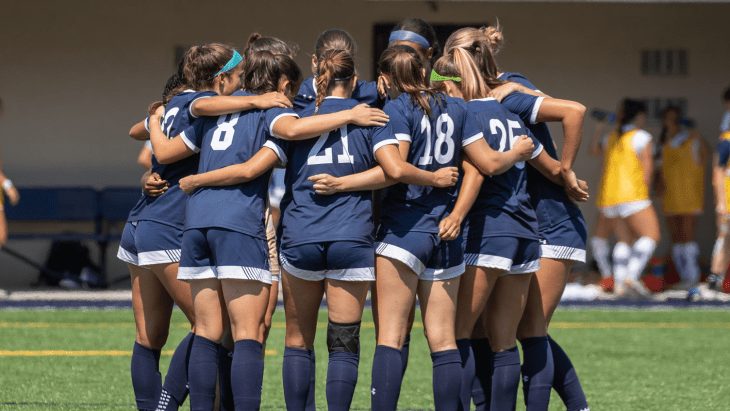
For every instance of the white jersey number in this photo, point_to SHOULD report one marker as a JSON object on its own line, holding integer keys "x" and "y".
{"x": 442, "y": 137}
{"x": 223, "y": 134}
{"x": 168, "y": 120}
{"x": 496, "y": 125}
{"x": 326, "y": 157}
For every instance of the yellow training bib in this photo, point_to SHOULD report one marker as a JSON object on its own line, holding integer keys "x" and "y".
{"x": 684, "y": 179}
{"x": 623, "y": 177}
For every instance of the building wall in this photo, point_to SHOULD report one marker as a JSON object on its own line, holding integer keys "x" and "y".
{"x": 74, "y": 75}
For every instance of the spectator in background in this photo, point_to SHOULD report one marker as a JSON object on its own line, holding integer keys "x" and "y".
{"x": 725, "y": 123}
{"x": 7, "y": 189}
{"x": 721, "y": 184}
{"x": 680, "y": 183}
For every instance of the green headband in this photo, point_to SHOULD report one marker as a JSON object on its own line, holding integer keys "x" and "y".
{"x": 438, "y": 77}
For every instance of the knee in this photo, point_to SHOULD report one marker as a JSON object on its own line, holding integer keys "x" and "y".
{"x": 343, "y": 337}
{"x": 531, "y": 327}
{"x": 154, "y": 339}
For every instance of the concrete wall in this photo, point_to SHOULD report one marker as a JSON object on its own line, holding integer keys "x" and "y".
{"x": 74, "y": 75}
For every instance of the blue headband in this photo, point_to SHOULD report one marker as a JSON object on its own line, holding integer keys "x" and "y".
{"x": 235, "y": 60}
{"x": 405, "y": 35}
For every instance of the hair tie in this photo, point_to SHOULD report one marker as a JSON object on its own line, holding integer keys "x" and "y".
{"x": 405, "y": 35}
{"x": 438, "y": 77}
{"x": 235, "y": 60}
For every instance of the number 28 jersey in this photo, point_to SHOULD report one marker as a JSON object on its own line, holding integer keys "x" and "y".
{"x": 307, "y": 217}
{"x": 503, "y": 206}
{"x": 224, "y": 141}
{"x": 436, "y": 141}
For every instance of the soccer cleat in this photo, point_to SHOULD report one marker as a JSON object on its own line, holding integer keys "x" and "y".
{"x": 638, "y": 288}
{"x": 714, "y": 282}
{"x": 654, "y": 283}
{"x": 607, "y": 284}
{"x": 694, "y": 295}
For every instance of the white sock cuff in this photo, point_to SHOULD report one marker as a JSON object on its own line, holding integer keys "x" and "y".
{"x": 621, "y": 250}
{"x": 599, "y": 242}
{"x": 645, "y": 245}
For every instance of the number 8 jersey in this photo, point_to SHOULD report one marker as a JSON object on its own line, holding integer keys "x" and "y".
{"x": 224, "y": 141}
{"x": 503, "y": 206}
{"x": 436, "y": 142}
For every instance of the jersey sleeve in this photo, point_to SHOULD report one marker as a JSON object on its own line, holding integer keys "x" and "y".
{"x": 193, "y": 135}
{"x": 471, "y": 130}
{"x": 520, "y": 79}
{"x": 383, "y": 136}
{"x": 538, "y": 146}
{"x": 398, "y": 121}
{"x": 640, "y": 140}
{"x": 199, "y": 96}
{"x": 279, "y": 147}
{"x": 305, "y": 96}
{"x": 366, "y": 92}
{"x": 273, "y": 115}
{"x": 723, "y": 153}
{"x": 524, "y": 105}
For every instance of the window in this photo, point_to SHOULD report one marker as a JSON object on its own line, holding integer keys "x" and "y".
{"x": 664, "y": 62}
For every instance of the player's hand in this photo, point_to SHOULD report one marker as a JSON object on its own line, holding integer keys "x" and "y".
{"x": 445, "y": 177}
{"x": 189, "y": 183}
{"x": 155, "y": 186}
{"x": 524, "y": 147}
{"x": 576, "y": 189}
{"x": 499, "y": 93}
{"x": 450, "y": 227}
{"x": 152, "y": 108}
{"x": 325, "y": 184}
{"x": 13, "y": 195}
{"x": 366, "y": 116}
{"x": 272, "y": 100}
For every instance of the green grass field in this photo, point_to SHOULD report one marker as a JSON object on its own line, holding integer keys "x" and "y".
{"x": 627, "y": 360}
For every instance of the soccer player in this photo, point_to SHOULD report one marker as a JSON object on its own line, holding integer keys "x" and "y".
{"x": 682, "y": 183}
{"x": 334, "y": 39}
{"x": 500, "y": 231}
{"x": 226, "y": 251}
{"x": 721, "y": 185}
{"x": 624, "y": 196}
{"x": 6, "y": 188}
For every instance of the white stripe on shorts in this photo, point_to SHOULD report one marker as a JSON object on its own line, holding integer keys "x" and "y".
{"x": 127, "y": 256}
{"x": 196, "y": 273}
{"x": 159, "y": 257}
{"x": 402, "y": 255}
{"x": 528, "y": 267}
{"x": 237, "y": 272}
{"x": 441, "y": 274}
{"x": 488, "y": 261}
{"x": 561, "y": 252}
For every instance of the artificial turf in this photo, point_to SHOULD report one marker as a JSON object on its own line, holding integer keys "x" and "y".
{"x": 627, "y": 360}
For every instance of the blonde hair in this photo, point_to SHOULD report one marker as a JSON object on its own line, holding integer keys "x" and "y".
{"x": 494, "y": 37}
{"x": 476, "y": 42}
{"x": 458, "y": 62}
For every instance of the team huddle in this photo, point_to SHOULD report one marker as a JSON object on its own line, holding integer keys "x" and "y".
{"x": 439, "y": 180}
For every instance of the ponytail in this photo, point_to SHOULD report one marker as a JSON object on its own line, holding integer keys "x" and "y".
{"x": 472, "y": 82}
{"x": 332, "y": 67}
{"x": 406, "y": 68}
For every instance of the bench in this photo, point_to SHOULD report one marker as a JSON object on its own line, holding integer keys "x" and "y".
{"x": 70, "y": 214}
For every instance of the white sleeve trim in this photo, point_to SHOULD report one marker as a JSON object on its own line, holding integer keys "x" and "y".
{"x": 640, "y": 140}
{"x": 147, "y": 124}
{"x": 385, "y": 143}
{"x": 403, "y": 137}
{"x": 273, "y": 122}
{"x": 537, "y": 152}
{"x": 190, "y": 107}
{"x": 277, "y": 150}
{"x": 189, "y": 143}
{"x": 472, "y": 139}
{"x": 536, "y": 110}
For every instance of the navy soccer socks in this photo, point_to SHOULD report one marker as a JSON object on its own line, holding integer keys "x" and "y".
{"x": 505, "y": 380}
{"x": 225, "y": 364}
{"x": 341, "y": 379}
{"x": 446, "y": 380}
{"x": 247, "y": 374}
{"x": 299, "y": 379}
{"x": 386, "y": 378}
{"x": 203, "y": 373}
{"x": 146, "y": 379}
{"x": 565, "y": 381}
{"x": 175, "y": 388}
{"x": 467, "y": 372}
{"x": 481, "y": 388}
{"x": 537, "y": 372}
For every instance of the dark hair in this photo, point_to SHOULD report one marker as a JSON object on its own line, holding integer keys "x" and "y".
{"x": 200, "y": 63}
{"x": 726, "y": 95}
{"x": 406, "y": 69}
{"x": 663, "y": 135}
{"x": 628, "y": 111}
{"x": 265, "y": 69}
{"x": 256, "y": 42}
{"x": 332, "y": 67}
{"x": 334, "y": 39}
{"x": 477, "y": 43}
{"x": 421, "y": 27}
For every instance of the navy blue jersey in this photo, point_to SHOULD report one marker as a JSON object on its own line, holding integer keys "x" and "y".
{"x": 169, "y": 208}
{"x": 364, "y": 92}
{"x": 307, "y": 217}
{"x": 549, "y": 199}
{"x": 224, "y": 141}
{"x": 503, "y": 206}
{"x": 436, "y": 142}
{"x": 723, "y": 153}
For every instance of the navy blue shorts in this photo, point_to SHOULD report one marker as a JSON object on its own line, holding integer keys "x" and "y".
{"x": 146, "y": 243}
{"x": 424, "y": 253}
{"x": 510, "y": 254}
{"x": 334, "y": 260}
{"x": 565, "y": 240}
{"x": 223, "y": 254}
